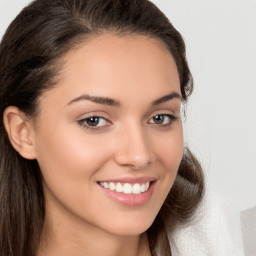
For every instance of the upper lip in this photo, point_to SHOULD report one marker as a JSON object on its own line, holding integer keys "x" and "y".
{"x": 131, "y": 180}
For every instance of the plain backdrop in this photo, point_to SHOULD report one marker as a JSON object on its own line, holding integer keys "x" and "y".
{"x": 220, "y": 126}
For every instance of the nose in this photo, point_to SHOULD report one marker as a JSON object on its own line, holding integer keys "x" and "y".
{"x": 134, "y": 149}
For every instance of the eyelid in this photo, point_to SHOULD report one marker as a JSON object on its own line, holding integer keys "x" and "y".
{"x": 83, "y": 119}
{"x": 172, "y": 119}
{"x": 165, "y": 111}
{"x": 94, "y": 113}
{"x": 82, "y": 122}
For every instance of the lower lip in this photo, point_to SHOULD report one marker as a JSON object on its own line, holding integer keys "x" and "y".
{"x": 130, "y": 199}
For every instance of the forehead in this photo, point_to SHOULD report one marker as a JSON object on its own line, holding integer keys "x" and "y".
{"x": 118, "y": 66}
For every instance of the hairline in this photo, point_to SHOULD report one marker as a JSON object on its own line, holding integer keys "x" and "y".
{"x": 80, "y": 40}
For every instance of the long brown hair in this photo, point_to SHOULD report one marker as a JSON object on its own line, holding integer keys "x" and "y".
{"x": 30, "y": 60}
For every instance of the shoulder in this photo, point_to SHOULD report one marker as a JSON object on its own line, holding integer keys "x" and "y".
{"x": 215, "y": 231}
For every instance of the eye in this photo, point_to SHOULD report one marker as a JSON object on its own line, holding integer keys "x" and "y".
{"x": 93, "y": 122}
{"x": 162, "y": 119}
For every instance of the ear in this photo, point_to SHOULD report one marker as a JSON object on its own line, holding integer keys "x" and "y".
{"x": 20, "y": 131}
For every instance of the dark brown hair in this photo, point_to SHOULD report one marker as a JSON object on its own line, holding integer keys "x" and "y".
{"x": 30, "y": 60}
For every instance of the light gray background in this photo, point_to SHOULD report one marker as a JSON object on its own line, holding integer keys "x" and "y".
{"x": 221, "y": 116}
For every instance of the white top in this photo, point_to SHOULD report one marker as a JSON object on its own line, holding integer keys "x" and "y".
{"x": 215, "y": 232}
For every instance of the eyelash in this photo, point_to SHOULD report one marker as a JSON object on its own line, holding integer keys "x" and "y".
{"x": 84, "y": 122}
{"x": 171, "y": 119}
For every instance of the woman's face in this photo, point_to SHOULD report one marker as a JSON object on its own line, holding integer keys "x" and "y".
{"x": 111, "y": 123}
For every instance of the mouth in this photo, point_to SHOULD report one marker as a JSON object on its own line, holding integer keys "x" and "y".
{"x": 129, "y": 192}
{"x": 126, "y": 188}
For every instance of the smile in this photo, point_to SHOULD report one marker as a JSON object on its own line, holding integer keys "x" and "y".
{"x": 129, "y": 191}
{"x": 126, "y": 188}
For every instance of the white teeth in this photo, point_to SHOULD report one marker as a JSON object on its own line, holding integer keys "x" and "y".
{"x": 137, "y": 189}
{"x": 112, "y": 186}
{"x": 143, "y": 188}
{"x": 105, "y": 185}
{"x": 147, "y": 186}
{"x": 127, "y": 188}
{"x": 119, "y": 188}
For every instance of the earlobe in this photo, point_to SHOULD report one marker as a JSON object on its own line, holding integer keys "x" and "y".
{"x": 20, "y": 132}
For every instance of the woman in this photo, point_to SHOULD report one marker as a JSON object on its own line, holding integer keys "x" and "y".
{"x": 92, "y": 155}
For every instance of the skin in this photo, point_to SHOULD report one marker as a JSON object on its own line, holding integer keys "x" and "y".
{"x": 80, "y": 218}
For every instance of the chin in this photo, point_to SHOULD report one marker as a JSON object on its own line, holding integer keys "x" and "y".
{"x": 130, "y": 227}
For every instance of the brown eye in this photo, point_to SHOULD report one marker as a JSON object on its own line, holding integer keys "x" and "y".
{"x": 93, "y": 121}
{"x": 162, "y": 119}
{"x": 159, "y": 119}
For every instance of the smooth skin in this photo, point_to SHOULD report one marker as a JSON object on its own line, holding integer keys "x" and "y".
{"x": 131, "y": 134}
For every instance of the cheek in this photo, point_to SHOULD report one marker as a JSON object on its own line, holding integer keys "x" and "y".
{"x": 69, "y": 159}
{"x": 169, "y": 150}
{"x": 68, "y": 149}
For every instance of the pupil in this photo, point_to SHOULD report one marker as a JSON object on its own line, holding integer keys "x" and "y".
{"x": 159, "y": 119}
{"x": 93, "y": 121}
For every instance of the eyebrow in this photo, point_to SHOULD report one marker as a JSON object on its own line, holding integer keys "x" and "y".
{"x": 95, "y": 99}
{"x": 115, "y": 103}
{"x": 173, "y": 95}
